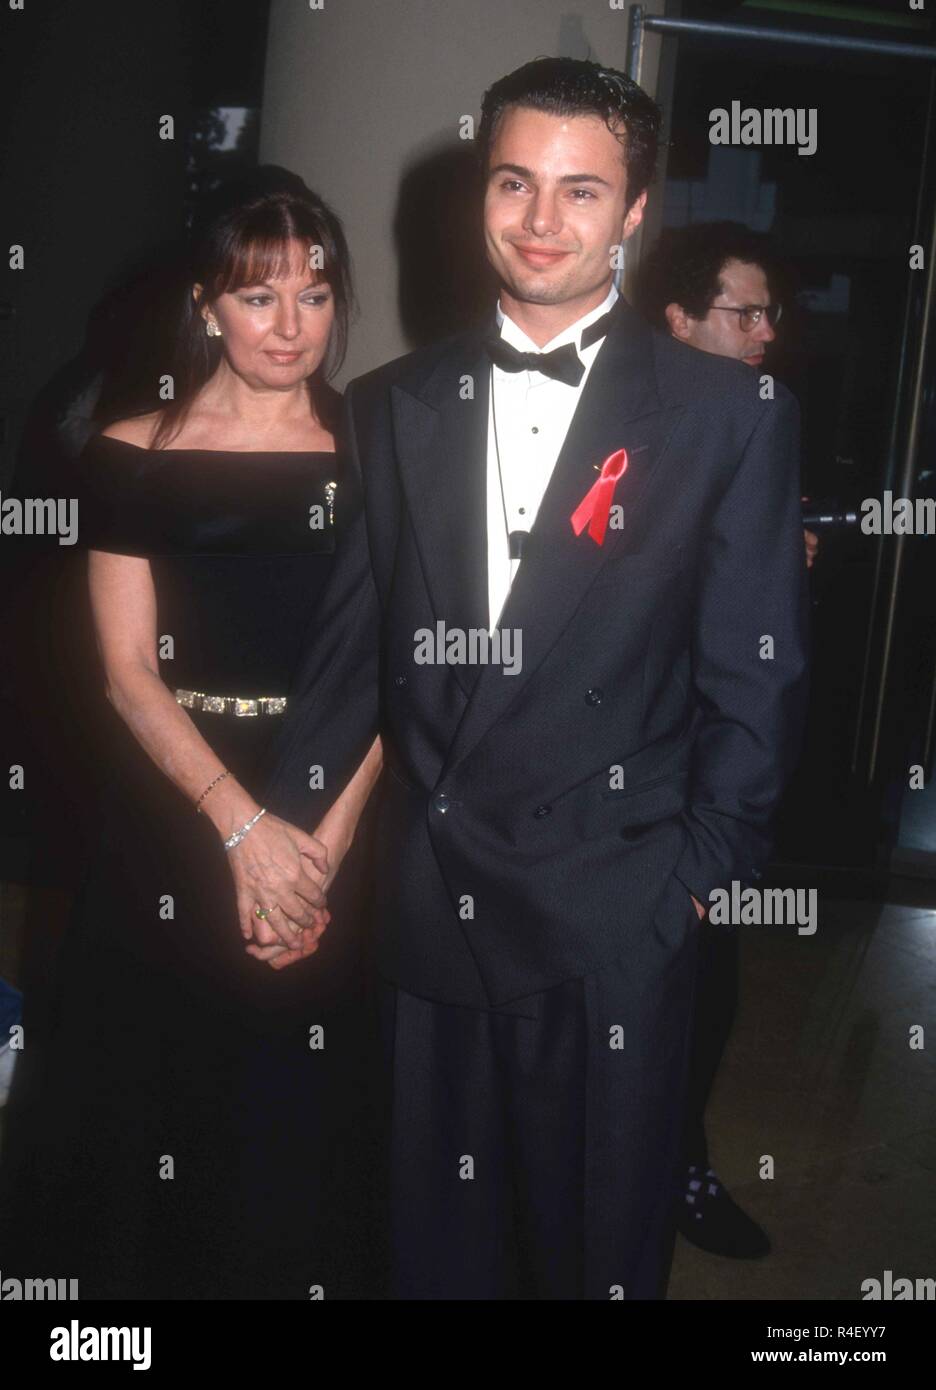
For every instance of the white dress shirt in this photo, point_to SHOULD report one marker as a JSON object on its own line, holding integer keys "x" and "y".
{"x": 528, "y": 417}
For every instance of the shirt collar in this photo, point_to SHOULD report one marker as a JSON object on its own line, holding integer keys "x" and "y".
{"x": 518, "y": 339}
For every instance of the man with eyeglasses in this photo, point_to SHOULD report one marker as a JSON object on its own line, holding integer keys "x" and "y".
{"x": 708, "y": 285}
{"x": 740, "y": 320}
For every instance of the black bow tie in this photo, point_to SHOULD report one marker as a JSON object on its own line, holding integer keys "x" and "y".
{"x": 562, "y": 363}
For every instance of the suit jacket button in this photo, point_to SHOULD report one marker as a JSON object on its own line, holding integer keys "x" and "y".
{"x": 542, "y": 811}
{"x": 441, "y": 802}
{"x": 594, "y": 696}
{"x": 399, "y": 680}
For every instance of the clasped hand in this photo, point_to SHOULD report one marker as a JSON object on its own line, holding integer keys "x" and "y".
{"x": 286, "y": 873}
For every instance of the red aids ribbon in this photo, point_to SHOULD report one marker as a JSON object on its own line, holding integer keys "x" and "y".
{"x": 595, "y": 506}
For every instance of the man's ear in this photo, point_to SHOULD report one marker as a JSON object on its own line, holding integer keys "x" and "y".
{"x": 634, "y": 216}
{"x": 677, "y": 320}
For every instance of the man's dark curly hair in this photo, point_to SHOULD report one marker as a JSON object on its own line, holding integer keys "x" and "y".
{"x": 573, "y": 87}
{"x": 685, "y": 267}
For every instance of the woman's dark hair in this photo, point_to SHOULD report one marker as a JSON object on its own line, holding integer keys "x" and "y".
{"x": 241, "y": 236}
{"x": 573, "y": 87}
{"x": 685, "y": 267}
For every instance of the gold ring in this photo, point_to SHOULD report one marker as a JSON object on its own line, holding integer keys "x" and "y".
{"x": 262, "y": 912}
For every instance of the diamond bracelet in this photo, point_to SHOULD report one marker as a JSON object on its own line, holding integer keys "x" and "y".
{"x": 238, "y": 835}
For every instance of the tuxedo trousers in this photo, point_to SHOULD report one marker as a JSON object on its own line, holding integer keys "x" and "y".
{"x": 716, "y": 1004}
{"x": 534, "y": 1147}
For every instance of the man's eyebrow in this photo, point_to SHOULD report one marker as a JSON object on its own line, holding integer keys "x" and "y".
{"x": 523, "y": 173}
{"x": 584, "y": 178}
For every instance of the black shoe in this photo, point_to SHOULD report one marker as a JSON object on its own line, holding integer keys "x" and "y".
{"x": 709, "y": 1219}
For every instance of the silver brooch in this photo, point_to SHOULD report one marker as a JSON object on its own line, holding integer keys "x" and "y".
{"x": 330, "y": 489}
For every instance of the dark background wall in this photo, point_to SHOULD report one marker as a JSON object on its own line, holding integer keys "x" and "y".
{"x": 87, "y": 187}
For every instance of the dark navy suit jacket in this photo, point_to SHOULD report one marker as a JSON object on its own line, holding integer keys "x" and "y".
{"x": 510, "y": 855}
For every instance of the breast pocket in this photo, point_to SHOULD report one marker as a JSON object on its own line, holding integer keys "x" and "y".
{"x": 638, "y": 569}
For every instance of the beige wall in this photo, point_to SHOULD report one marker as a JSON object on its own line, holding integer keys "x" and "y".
{"x": 359, "y": 90}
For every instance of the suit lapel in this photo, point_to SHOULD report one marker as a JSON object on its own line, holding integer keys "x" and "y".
{"x": 442, "y": 443}
{"x": 442, "y": 446}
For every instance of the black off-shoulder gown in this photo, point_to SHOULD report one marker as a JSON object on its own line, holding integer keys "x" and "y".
{"x": 179, "y": 1136}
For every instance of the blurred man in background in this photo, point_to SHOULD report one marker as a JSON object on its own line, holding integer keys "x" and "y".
{"x": 708, "y": 285}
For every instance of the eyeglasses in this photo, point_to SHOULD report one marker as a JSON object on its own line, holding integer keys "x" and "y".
{"x": 749, "y": 315}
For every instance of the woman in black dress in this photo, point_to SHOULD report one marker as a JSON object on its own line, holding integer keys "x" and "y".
{"x": 197, "y": 1124}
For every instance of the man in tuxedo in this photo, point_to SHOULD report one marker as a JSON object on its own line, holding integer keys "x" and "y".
{"x": 550, "y": 610}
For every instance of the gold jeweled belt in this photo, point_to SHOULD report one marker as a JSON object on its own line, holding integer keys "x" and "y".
{"x": 231, "y": 704}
